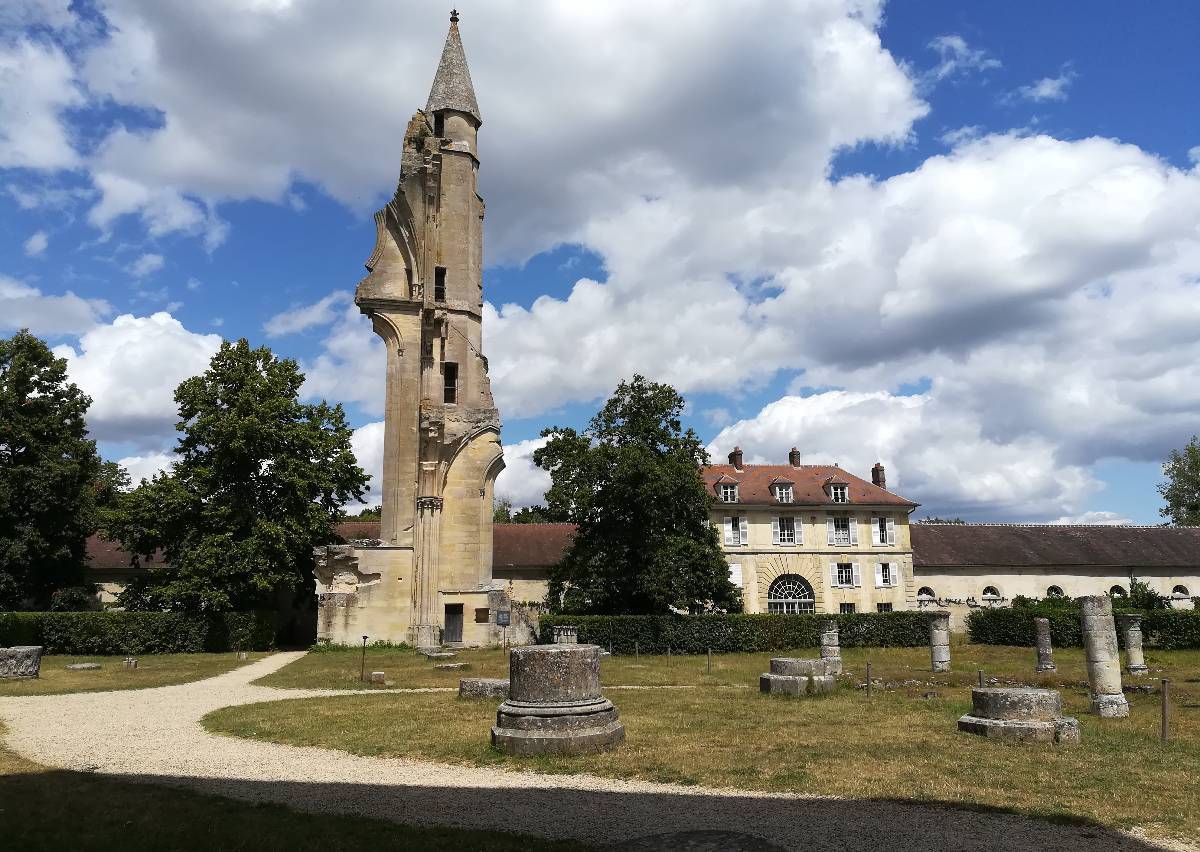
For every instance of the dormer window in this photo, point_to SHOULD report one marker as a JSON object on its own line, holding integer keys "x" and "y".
{"x": 839, "y": 493}
{"x": 729, "y": 492}
{"x": 783, "y": 493}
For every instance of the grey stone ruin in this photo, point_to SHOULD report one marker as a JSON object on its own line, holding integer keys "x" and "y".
{"x": 1019, "y": 714}
{"x": 939, "y": 640}
{"x": 82, "y": 667}
{"x": 1130, "y": 624}
{"x": 1103, "y": 658}
{"x": 794, "y": 676}
{"x": 131, "y": 662}
{"x": 554, "y": 703}
{"x": 566, "y": 634}
{"x": 483, "y": 687}
{"x": 379, "y": 678}
{"x": 21, "y": 661}
{"x": 1045, "y": 650}
{"x": 831, "y": 650}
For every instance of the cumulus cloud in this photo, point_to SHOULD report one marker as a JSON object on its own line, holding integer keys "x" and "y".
{"x": 1107, "y": 519}
{"x": 367, "y": 444}
{"x": 36, "y": 244}
{"x": 130, "y": 368}
{"x": 37, "y": 83}
{"x": 956, "y": 57}
{"x": 351, "y": 366}
{"x": 304, "y": 317}
{"x": 23, "y": 306}
{"x": 146, "y": 264}
{"x": 521, "y": 481}
{"x": 147, "y": 465}
{"x": 1048, "y": 88}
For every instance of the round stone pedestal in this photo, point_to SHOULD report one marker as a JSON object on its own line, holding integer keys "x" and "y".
{"x": 1020, "y": 714}
{"x": 554, "y": 704}
{"x": 795, "y": 676}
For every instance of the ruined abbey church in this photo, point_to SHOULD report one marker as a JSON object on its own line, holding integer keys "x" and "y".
{"x": 428, "y": 576}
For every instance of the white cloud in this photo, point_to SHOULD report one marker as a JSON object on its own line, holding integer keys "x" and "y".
{"x": 147, "y": 465}
{"x": 351, "y": 366}
{"x": 1094, "y": 518}
{"x": 18, "y": 14}
{"x": 36, "y": 85}
{"x": 304, "y": 317}
{"x": 957, "y": 57}
{"x": 130, "y": 368}
{"x": 36, "y": 244}
{"x": 1048, "y": 88}
{"x": 23, "y": 306}
{"x": 146, "y": 264}
{"x": 367, "y": 444}
{"x": 521, "y": 481}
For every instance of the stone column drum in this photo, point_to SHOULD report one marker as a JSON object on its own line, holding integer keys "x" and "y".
{"x": 831, "y": 650}
{"x": 566, "y": 634}
{"x": 939, "y": 640}
{"x": 1130, "y": 624}
{"x": 1019, "y": 713}
{"x": 1103, "y": 659}
{"x": 554, "y": 703}
{"x": 21, "y": 661}
{"x": 1045, "y": 650}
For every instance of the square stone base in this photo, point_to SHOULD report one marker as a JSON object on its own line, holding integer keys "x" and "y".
{"x": 1064, "y": 730}
{"x": 568, "y": 741}
{"x": 1110, "y": 706}
{"x": 796, "y": 685}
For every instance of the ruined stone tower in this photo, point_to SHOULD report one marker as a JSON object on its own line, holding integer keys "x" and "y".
{"x": 430, "y": 575}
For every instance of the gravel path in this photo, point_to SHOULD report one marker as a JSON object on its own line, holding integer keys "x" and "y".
{"x": 155, "y": 735}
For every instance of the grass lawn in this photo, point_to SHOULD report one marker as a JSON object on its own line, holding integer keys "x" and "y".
{"x": 152, "y": 670}
{"x": 899, "y": 743}
{"x": 45, "y": 809}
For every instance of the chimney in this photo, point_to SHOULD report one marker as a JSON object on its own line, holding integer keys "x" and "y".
{"x": 735, "y": 458}
{"x": 878, "y": 477}
{"x": 794, "y": 457}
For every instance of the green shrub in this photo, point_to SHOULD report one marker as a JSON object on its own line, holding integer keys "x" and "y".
{"x": 114, "y": 632}
{"x": 1163, "y": 628}
{"x": 695, "y": 634}
{"x": 1173, "y": 629}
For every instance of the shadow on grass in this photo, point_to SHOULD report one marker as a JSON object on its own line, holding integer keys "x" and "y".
{"x": 493, "y": 818}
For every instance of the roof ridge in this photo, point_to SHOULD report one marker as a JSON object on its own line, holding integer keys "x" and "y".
{"x": 1053, "y": 525}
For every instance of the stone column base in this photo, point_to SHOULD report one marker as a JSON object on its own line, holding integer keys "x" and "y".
{"x": 1045, "y": 667}
{"x": 426, "y": 636}
{"x": 1138, "y": 670}
{"x": 775, "y": 684}
{"x": 525, "y": 728}
{"x": 1110, "y": 706}
{"x": 1064, "y": 730}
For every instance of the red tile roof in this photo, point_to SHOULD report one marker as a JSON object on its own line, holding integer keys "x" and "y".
{"x": 808, "y": 484}
{"x": 1042, "y": 545}
{"x": 530, "y": 545}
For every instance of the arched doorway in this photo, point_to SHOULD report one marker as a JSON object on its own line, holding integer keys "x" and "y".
{"x": 790, "y": 593}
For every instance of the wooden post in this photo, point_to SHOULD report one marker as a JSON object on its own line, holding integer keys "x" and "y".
{"x": 981, "y": 678}
{"x": 362, "y": 674}
{"x": 635, "y": 650}
{"x": 1166, "y": 710}
{"x": 668, "y": 656}
{"x": 868, "y": 678}
{"x": 710, "y": 660}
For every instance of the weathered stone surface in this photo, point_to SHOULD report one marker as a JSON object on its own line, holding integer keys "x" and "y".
{"x": 1130, "y": 624}
{"x": 21, "y": 661}
{"x": 939, "y": 640}
{"x": 566, "y": 634}
{"x": 434, "y": 654}
{"x": 1045, "y": 650}
{"x": 82, "y": 667}
{"x": 483, "y": 687}
{"x": 379, "y": 677}
{"x": 831, "y": 650}
{"x": 1016, "y": 703}
{"x": 796, "y": 685}
{"x": 1103, "y": 662}
{"x": 452, "y": 667}
{"x": 131, "y": 663}
{"x": 1053, "y": 731}
{"x": 554, "y": 704}
{"x": 795, "y": 666}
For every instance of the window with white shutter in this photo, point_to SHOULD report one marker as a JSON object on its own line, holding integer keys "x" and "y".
{"x": 735, "y": 575}
{"x": 844, "y": 574}
{"x": 830, "y": 531}
{"x": 879, "y": 572}
{"x": 774, "y": 530}
{"x": 891, "y": 531}
{"x": 856, "y": 576}
{"x": 853, "y": 523}
{"x": 784, "y": 529}
{"x": 744, "y": 526}
{"x": 729, "y": 532}
{"x": 833, "y": 575}
{"x": 895, "y": 573}
{"x": 878, "y": 536}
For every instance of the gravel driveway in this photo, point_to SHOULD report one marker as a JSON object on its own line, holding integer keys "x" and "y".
{"x": 155, "y": 735}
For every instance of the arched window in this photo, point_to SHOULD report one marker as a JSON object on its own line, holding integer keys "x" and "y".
{"x": 1117, "y": 591}
{"x": 1054, "y": 592}
{"x": 1180, "y": 592}
{"x": 925, "y": 594}
{"x": 991, "y": 592}
{"x": 790, "y": 593}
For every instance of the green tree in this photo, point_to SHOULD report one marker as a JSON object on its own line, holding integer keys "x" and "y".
{"x": 631, "y": 482}
{"x": 502, "y": 510}
{"x": 48, "y": 471}
{"x": 536, "y": 515}
{"x": 1181, "y": 490}
{"x": 259, "y": 480}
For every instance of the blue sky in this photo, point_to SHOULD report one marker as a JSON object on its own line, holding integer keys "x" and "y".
{"x": 960, "y": 238}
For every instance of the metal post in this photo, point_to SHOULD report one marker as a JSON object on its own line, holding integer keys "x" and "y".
{"x": 1166, "y": 710}
{"x": 362, "y": 674}
{"x": 868, "y": 678}
{"x": 981, "y": 678}
{"x": 710, "y": 660}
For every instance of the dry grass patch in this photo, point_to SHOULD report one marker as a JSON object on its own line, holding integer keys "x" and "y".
{"x": 898, "y": 744}
{"x": 152, "y": 670}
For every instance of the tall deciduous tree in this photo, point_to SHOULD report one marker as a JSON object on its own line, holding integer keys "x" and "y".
{"x": 48, "y": 474}
{"x": 631, "y": 482}
{"x": 259, "y": 481}
{"x": 1181, "y": 490}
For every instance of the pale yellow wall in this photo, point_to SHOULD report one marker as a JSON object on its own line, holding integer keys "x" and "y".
{"x": 380, "y": 607}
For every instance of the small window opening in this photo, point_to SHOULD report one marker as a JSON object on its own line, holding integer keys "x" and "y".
{"x": 925, "y": 594}
{"x": 450, "y": 372}
{"x": 846, "y": 608}
{"x": 439, "y": 124}
{"x": 729, "y": 493}
{"x": 883, "y": 607}
{"x": 991, "y": 592}
{"x": 1054, "y": 592}
{"x": 845, "y": 574}
{"x": 1117, "y": 591}
{"x": 839, "y": 493}
{"x": 482, "y": 615}
{"x": 439, "y": 283}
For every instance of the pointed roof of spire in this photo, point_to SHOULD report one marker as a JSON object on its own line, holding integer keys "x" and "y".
{"x": 452, "y": 87}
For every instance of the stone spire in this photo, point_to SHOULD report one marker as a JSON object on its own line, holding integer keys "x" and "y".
{"x": 452, "y": 87}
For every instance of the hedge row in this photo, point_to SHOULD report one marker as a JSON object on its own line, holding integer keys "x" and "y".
{"x": 1162, "y": 628}
{"x": 695, "y": 634}
{"x": 108, "y": 633}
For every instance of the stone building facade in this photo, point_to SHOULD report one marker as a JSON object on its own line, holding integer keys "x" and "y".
{"x": 812, "y": 538}
{"x": 427, "y": 579}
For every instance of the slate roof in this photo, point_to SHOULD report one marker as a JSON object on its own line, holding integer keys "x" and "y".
{"x": 808, "y": 485}
{"x": 452, "y": 87}
{"x": 1041, "y": 545}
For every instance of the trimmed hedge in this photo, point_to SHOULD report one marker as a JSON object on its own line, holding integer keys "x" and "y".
{"x": 695, "y": 634}
{"x": 1163, "y": 628}
{"x": 114, "y": 632}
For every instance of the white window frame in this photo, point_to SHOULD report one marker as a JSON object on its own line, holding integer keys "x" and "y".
{"x": 736, "y": 534}
{"x": 839, "y": 493}
{"x": 779, "y": 535}
{"x": 836, "y": 575}
{"x": 883, "y": 531}
{"x": 892, "y": 580}
{"x": 784, "y": 494}
{"x": 834, "y": 538}
{"x": 729, "y": 488}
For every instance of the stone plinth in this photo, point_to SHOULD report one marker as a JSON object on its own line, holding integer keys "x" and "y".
{"x": 21, "y": 661}
{"x": 1019, "y": 714}
{"x": 1103, "y": 659}
{"x": 483, "y": 687}
{"x": 831, "y": 650}
{"x": 795, "y": 676}
{"x": 379, "y": 678}
{"x": 554, "y": 704}
{"x": 1130, "y": 625}
{"x": 82, "y": 667}
{"x": 566, "y": 635}
{"x": 1045, "y": 650}
{"x": 939, "y": 640}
